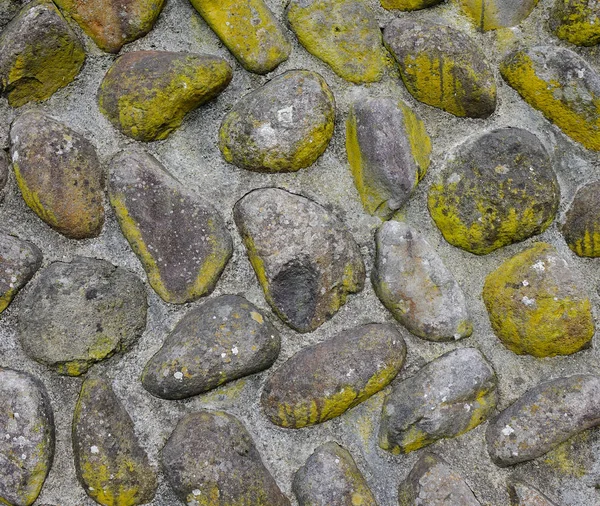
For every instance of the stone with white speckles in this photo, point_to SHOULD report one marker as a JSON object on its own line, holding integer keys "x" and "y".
{"x": 522, "y": 494}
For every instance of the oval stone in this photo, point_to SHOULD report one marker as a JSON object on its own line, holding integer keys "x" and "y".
{"x": 495, "y": 190}
{"x": 576, "y": 21}
{"x": 325, "y": 380}
{"x": 494, "y": 14}
{"x": 581, "y": 228}
{"x": 283, "y": 126}
{"x": 408, "y": 5}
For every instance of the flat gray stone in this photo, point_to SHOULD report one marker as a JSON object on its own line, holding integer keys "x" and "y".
{"x": 522, "y": 494}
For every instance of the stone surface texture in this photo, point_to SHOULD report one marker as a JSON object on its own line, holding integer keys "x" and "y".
{"x": 577, "y": 21}
{"x": 493, "y": 14}
{"x": 522, "y": 494}
{"x": 581, "y": 227}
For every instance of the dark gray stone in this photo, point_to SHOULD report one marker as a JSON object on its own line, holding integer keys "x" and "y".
{"x": 522, "y": 494}
{"x": 581, "y": 228}
{"x": 8, "y": 9}
{"x": 4, "y": 163}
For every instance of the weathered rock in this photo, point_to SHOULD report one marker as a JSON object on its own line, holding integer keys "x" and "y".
{"x": 495, "y": 190}
{"x": 330, "y": 478}
{"x": 494, "y": 14}
{"x": 113, "y": 23}
{"x": 281, "y": 127}
{"x": 323, "y": 381}
{"x": 388, "y": 150}
{"x": 576, "y": 21}
{"x": 411, "y": 280}
{"x": 305, "y": 259}
{"x": 8, "y": 9}
{"x": 19, "y": 261}
{"x": 39, "y": 54}
{"x": 442, "y": 67}
{"x": 535, "y": 305}
{"x": 433, "y": 482}
{"x": 210, "y": 460}
{"x": 224, "y": 339}
{"x": 181, "y": 240}
{"x": 408, "y": 5}
{"x": 582, "y": 223}
{"x": 342, "y": 33}
{"x": 544, "y": 417}
{"x": 448, "y": 397}
{"x": 3, "y": 171}
{"x": 59, "y": 175}
{"x": 78, "y": 313}
{"x": 249, "y": 30}
{"x": 27, "y": 442}
{"x": 522, "y": 494}
{"x": 146, "y": 94}
{"x": 562, "y": 86}
{"x": 111, "y": 466}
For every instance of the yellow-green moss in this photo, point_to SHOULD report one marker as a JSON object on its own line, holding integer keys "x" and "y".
{"x": 420, "y": 142}
{"x": 6, "y": 298}
{"x": 576, "y": 22}
{"x": 588, "y": 246}
{"x": 407, "y": 5}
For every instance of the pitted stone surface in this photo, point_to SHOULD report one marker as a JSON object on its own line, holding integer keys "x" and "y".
{"x": 522, "y": 494}
{"x": 494, "y": 14}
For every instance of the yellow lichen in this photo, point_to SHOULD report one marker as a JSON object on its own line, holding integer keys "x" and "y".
{"x": 576, "y": 22}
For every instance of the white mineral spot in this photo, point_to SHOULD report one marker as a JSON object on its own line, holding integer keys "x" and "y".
{"x": 23, "y": 456}
{"x": 337, "y": 461}
{"x": 539, "y": 266}
{"x": 94, "y": 449}
{"x": 467, "y": 407}
{"x": 178, "y": 375}
{"x": 580, "y": 73}
{"x": 508, "y": 430}
{"x": 16, "y": 415}
{"x": 454, "y": 178}
{"x": 223, "y": 355}
{"x": 15, "y": 156}
{"x": 234, "y": 350}
{"x": 527, "y": 301}
{"x": 286, "y": 115}
{"x": 525, "y": 282}
{"x": 196, "y": 491}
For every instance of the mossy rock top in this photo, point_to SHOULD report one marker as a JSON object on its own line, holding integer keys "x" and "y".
{"x": 581, "y": 227}
{"x": 576, "y": 21}
{"x": 494, "y": 14}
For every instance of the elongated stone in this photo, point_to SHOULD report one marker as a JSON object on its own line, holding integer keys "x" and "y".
{"x": 4, "y": 163}
{"x": 581, "y": 228}
{"x": 408, "y": 5}
{"x": 536, "y": 306}
{"x": 323, "y": 381}
{"x": 317, "y": 262}
{"x": 576, "y": 21}
{"x": 59, "y": 175}
{"x": 342, "y": 33}
{"x": 448, "y": 397}
{"x": 414, "y": 284}
{"x": 522, "y": 494}
{"x": 494, "y": 14}
{"x": 39, "y": 54}
{"x": 224, "y": 339}
{"x": 442, "y": 67}
{"x": 27, "y": 442}
{"x": 284, "y": 126}
{"x": 544, "y": 417}
{"x": 561, "y": 85}
{"x": 146, "y": 94}
{"x": 181, "y": 240}
{"x": 388, "y": 150}
{"x": 249, "y": 30}
{"x": 111, "y": 466}
{"x": 210, "y": 460}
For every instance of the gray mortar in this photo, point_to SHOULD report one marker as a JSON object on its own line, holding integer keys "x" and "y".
{"x": 192, "y": 155}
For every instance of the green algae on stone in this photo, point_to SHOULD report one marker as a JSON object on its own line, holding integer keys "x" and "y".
{"x": 494, "y": 14}
{"x": 562, "y": 86}
{"x": 342, "y": 33}
{"x": 146, "y": 94}
{"x": 442, "y": 67}
{"x": 408, "y": 5}
{"x": 576, "y": 21}
{"x": 323, "y": 381}
{"x": 39, "y": 54}
{"x": 535, "y": 305}
{"x": 249, "y": 30}
{"x": 389, "y": 152}
{"x": 495, "y": 189}
{"x": 581, "y": 228}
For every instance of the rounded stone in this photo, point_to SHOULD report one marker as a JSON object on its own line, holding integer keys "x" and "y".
{"x": 408, "y": 5}
{"x": 494, "y": 14}
{"x": 581, "y": 228}
{"x": 576, "y": 21}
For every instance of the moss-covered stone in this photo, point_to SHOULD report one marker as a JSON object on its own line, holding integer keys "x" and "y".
{"x": 494, "y": 14}
{"x": 495, "y": 190}
{"x": 39, "y": 54}
{"x": 535, "y": 305}
{"x": 576, "y": 21}
{"x": 408, "y": 5}
{"x": 146, "y": 94}
{"x": 581, "y": 228}
{"x": 442, "y": 67}
{"x": 59, "y": 175}
{"x": 249, "y": 30}
{"x": 323, "y": 381}
{"x": 388, "y": 150}
{"x": 113, "y": 23}
{"x": 562, "y": 86}
{"x": 522, "y": 494}
{"x": 342, "y": 33}
{"x": 181, "y": 240}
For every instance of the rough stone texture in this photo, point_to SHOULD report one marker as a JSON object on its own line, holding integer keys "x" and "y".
{"x": 4, "y": 163}
{"x": 304, "y": 258}
{"x": 224, "y": 339}
{"x": 342, "y": 33}
{"x": 442, "y": 67}
{"x": 408, "y": 5}
{"x": 536, "y": 306}
{"x": 330, "y": 478}
{"x": 147, "y": 94}
{"x": 544, "y": 417}
{"x": 433, "y": 482}
{"x": 181, "y": 239}
{"x": 388, "y": 150}
{"x": 59, "y": 175}
{"x": 581, "y": 227}
{"x": 249, "y": 30}
{"x": 78, "y": 313}
{"x": 522, "y": 494}
{"x": 111, "y": 465}
{"x": 323, "y": 381}
{"x": 495, "y": 190}
{"x": 19, "y": 261}
{"x": 27, "y": 442}
{"x": 494, "y": 14}
{"x": 414, "y": 284}
{"x": 448, "y": 397}
{"x": 577, "y": 21}
{"x": 282, "y": 127}
{"x": 561, "y": 85}
{"x": 39, "y": 54}
{"x": 8, "y": 9}
{"x": 211, "y": 460}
